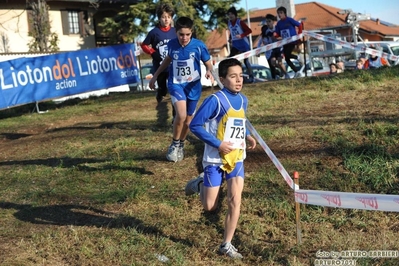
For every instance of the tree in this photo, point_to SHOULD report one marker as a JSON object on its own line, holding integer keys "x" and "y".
{"x": 43, "y": 40}
{"x": 135, "y": 19}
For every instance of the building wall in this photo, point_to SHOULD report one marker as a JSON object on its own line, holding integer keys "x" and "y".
{"x": 14, "y": 30}
{"x": 14, "y": 36}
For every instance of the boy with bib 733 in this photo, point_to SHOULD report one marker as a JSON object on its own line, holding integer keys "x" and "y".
{"x": 220, "y": 122}
{"x": 184, "y": 81}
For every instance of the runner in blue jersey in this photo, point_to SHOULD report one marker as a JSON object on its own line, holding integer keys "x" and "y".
{"x": 156, "y": 42}
{"x": 239, "y": 32}
{"x": 184, "y": 82}
{"x": 220, "y": 122}
{"x": 285, "y": 28}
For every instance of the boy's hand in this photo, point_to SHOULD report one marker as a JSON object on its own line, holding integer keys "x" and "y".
{"x": 252, "y": 142}
{"x": 152, "y": 82}
{"x": 209, "y": 75}
{"x": 225, "y": 147}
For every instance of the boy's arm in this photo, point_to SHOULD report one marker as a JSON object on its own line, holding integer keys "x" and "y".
{"x": 205, "y": 112}
{"x": 245, "y": 28}
{"x": 209, "y": 68}
{"x": 162, "y": 67}
{"x": 151, "y": 51}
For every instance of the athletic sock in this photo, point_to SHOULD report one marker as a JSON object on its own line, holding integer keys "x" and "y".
{"x": 182, "y": 143}
{"x": 176, "y": 142}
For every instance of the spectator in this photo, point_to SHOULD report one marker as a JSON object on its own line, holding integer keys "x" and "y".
{"x": 340, "y": 66}
{"x": 374, "y": 61}
{"x": 333, "y": 68}
{"x": 363, "y": 57}
{"x": 239, "y": 31}
{"x": 285, "y": 28}
{"x": 359, "y": 64}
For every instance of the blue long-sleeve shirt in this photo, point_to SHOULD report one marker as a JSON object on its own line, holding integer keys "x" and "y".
{"x": 209, "y": 109}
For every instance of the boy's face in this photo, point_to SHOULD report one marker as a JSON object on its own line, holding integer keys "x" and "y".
{"x": 184, "y": 36}
{"x": 231, "y": 16}
{"x": 359, "y": 64}
{"x": 281, "y": 14}
{"x": 233, "y": 80}
{"x": 270, "y": 23}
{"x": 165, "y": 20}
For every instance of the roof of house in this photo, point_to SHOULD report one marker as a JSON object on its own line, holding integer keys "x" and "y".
{"x": 316, "y": 15}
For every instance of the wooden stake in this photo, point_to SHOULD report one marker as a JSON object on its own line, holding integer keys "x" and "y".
{"x": 297, "y": 213}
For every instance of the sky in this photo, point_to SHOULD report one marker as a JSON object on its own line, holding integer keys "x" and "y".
{"x": 386, "y": 10}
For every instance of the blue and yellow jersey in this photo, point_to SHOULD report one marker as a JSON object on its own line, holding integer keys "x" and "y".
{"x": 222, "y": 117}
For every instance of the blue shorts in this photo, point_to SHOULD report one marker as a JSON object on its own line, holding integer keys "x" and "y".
{"x": 179, "y": 95}
{"x": 213, "y": 174}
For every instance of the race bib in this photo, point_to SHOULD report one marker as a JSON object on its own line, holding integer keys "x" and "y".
{"x": 285, "y": 33}
{"x": 163, "y": 51}
{"x": 184, "y": 71}
{"x": 235, "y": 132}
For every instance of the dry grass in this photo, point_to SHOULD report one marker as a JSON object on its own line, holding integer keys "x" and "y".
{"x": 87, "y": 183}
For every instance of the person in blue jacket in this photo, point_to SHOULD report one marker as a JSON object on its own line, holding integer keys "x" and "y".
{"x": 155, "y": 44}
{"x": 184, "y": 81}
{"x": 220, "y": 122}
{"x": 285, "y": 28}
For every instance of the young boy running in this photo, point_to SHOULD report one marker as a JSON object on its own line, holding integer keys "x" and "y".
{"x": 184, "y": 82}
{"x": 220, "y": 123}
{"x": 239, "y": 32}
{"x": 156, "y": 42}
{"x": 274, "y": 55}
{"x": 285, "y": 28}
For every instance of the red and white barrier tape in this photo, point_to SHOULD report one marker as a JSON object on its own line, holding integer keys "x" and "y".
{"x": 265, "y": 48}
{"x": 321, "y": 37}
{"x": 362, "y": 201}
{"x": 272, "y": 157}
{"x": 360, "y": 48}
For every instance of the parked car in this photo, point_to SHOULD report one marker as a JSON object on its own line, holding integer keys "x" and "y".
{"x": 261, "y": 73}
{"x": 145, "y": 77}
{"x": 319, "y": 68}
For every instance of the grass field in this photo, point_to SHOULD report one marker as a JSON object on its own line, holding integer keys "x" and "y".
{"x": 87, "y": 183}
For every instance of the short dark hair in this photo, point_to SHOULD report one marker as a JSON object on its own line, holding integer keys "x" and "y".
{"x": 281, "y": 8}
{"x": 184, "y": 22}
{"x": 271, "y": 17}
{"x": 165, "y": 8}
{"x": 232, "y": 10}
{"x": 225, "y": 64}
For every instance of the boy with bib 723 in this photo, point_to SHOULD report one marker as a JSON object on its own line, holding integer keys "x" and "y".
{"x": 220, "y": 122}
{"x": 184, "y": 81}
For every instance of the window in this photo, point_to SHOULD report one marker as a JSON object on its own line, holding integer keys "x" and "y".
{"x": 73, "y": 21}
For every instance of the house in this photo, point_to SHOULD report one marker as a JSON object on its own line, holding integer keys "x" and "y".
{"x": 317, "y": 17}
{"x": 74, "y": 21}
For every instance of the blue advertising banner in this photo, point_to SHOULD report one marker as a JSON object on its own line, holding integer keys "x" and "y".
{"x": 34, "y": 79}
